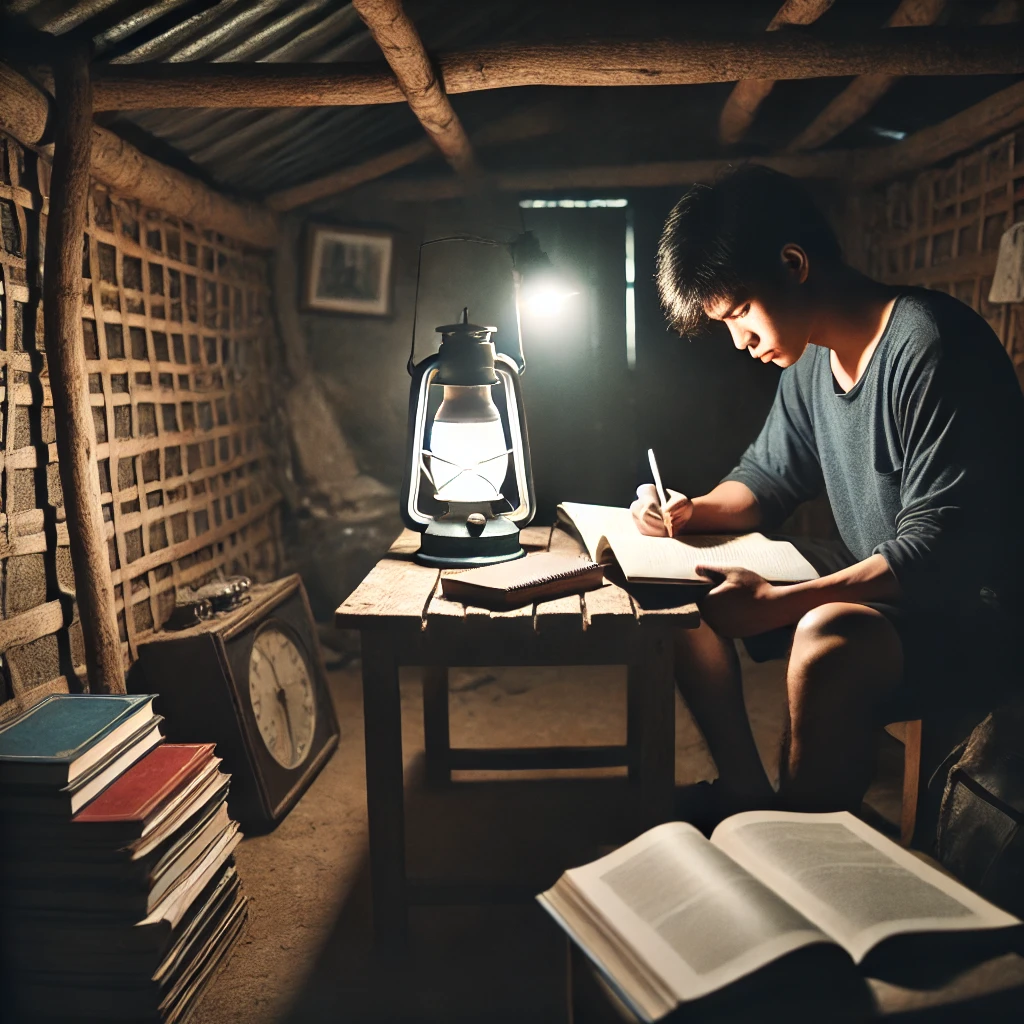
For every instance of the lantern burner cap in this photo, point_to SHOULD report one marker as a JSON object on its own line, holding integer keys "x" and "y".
{"x": 466, "y": 356}
{"x": 465, "y": 329}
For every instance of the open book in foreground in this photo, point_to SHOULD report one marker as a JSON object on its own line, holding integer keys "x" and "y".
{"x": 672, "y": 917}
{"x": 610, "y": 535}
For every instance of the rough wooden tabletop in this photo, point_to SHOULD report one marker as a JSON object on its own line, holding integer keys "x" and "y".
{"x": 398, "y": 592}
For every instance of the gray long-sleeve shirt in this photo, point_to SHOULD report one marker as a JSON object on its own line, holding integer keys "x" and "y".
{"x": 921, "y": 460}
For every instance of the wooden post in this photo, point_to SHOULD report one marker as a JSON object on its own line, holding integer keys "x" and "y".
{"x": 65, "y": 355}
{"x": 396, "y": 35}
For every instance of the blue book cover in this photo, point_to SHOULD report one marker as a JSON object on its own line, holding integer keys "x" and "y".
{"x": 58, "y": 732}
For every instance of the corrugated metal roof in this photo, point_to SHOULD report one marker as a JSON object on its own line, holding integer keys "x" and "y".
{"x": 256, "y": 152}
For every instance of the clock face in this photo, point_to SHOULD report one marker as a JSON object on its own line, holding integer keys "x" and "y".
{"x": 283, "y": 697}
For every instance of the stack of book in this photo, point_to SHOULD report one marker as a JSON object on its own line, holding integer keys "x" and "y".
{"x": 118, "y": 891}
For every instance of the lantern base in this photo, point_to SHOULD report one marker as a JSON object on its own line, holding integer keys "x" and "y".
{"x": 455, "y": 544}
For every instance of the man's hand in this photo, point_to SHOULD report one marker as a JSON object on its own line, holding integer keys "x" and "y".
{"x": 654, "y": 521}
{"x": 741, "y": 603}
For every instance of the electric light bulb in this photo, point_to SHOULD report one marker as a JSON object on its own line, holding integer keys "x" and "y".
{"x": 468, "y": 455}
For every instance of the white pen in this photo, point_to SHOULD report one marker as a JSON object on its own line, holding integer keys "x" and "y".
{"x": 659, "y": 487}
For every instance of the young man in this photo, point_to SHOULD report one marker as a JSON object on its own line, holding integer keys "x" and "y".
{"x": 903, "y": 407}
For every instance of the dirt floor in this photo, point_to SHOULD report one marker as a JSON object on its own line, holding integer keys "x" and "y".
{"x": 307, "y": 955}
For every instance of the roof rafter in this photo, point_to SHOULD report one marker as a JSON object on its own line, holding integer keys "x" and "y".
{"x": 1001, "y": 112}
{"x": 396, "y": 35}
{"x": 523, "y": 124}
{"x": 747, "y": 95}
{"x": 654, "y": 174}
{"x": 866, "y": 90}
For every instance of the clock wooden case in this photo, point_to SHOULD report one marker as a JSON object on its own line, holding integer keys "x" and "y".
{"x": 252, "y": 681}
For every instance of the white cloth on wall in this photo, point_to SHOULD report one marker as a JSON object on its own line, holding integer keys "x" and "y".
{"x": 1008, "y": 280}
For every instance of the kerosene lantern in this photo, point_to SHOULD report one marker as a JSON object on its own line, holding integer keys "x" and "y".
{"x": 462, "y": 445}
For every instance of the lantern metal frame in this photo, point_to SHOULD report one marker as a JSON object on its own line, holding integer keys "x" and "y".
{"x": 484, "y": 536}
{"x": 423, "y": 376}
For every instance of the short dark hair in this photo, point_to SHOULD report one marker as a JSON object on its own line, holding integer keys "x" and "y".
{"x": 722, "y": 240}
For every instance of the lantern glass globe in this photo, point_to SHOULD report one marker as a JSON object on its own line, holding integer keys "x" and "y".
{"x": 468, "y": 454}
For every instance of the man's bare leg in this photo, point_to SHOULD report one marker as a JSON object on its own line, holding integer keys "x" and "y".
{"x": 709, "y": 679}
{"x": 846, "y": 658}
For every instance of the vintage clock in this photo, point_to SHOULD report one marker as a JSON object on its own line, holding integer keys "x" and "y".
{"x": 252, "y": 681}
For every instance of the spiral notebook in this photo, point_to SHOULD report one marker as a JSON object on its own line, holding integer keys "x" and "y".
{"x": 538, "y": 577}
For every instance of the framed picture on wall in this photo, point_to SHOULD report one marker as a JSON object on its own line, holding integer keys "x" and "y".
{"x": 348, "y": 270}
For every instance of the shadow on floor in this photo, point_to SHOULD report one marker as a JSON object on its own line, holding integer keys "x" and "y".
{"x": 309, "y": 955}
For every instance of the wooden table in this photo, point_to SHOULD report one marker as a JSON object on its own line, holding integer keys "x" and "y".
{"x": 404, "y": 620}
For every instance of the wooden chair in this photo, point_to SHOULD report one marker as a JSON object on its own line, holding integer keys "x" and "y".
{"x": 926, "y": 744}
{"x": 909, "y": 734}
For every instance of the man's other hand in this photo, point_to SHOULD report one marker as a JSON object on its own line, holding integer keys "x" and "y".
{"x": 654, "y": 521}
{"x": 741, "y": 603}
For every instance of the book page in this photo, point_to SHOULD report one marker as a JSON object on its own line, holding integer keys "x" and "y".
{"x": 694, "y": 917}
{"x": 594, "y": 522}
{"x": 643, "y": 559}
{"x": 852, "y": 882}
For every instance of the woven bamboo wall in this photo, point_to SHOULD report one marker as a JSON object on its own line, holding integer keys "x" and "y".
{"x": 942, "y": 230}
{"x": 177, "y": 326}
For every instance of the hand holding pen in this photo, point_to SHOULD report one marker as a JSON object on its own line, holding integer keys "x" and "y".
{"x": 660, "y": 512}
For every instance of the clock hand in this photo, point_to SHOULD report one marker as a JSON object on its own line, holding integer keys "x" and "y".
{"x": 282, "y": 699}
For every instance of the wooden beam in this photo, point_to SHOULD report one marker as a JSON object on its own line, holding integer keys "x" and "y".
{"x": 747, "y": 95}
{"x": 523, "y": 124}
{"x": 396, "y": 35}
{"x": 125, "y": 169}
{"x": 1001, "y": 112}
{"x": 797, "y": 53}
{"x": 350, "y": 177}
{"x": 24, "y": 110}
{"x": 69, "y": 378}
{"x": 155, "y": 85}
{"x": 828, "y": 164}
{"x": 865, "y": 90}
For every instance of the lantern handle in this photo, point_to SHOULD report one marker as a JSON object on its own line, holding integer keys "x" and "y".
{"x": 481, "y": 240}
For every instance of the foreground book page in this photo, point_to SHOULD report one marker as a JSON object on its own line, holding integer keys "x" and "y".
{"x": 679, "y": 918}
{"x": 852, "y": 882}
{"x": 610, "y": 534}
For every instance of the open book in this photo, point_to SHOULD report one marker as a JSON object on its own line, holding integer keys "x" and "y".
{"x": 672, "y": 917}
{"x": 610, "y": 535}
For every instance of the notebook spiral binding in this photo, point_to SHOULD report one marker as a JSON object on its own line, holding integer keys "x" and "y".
{"x": 578, "y": 570}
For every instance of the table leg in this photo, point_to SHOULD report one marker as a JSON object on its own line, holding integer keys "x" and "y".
{"x": 635, "y": 682}
{"x": 382, "y": 717}
{"x": 651, "y": 726}
{"x": 436, "y": 740}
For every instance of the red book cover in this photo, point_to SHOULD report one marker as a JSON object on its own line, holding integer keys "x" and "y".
{"x": 148, "y": 784}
